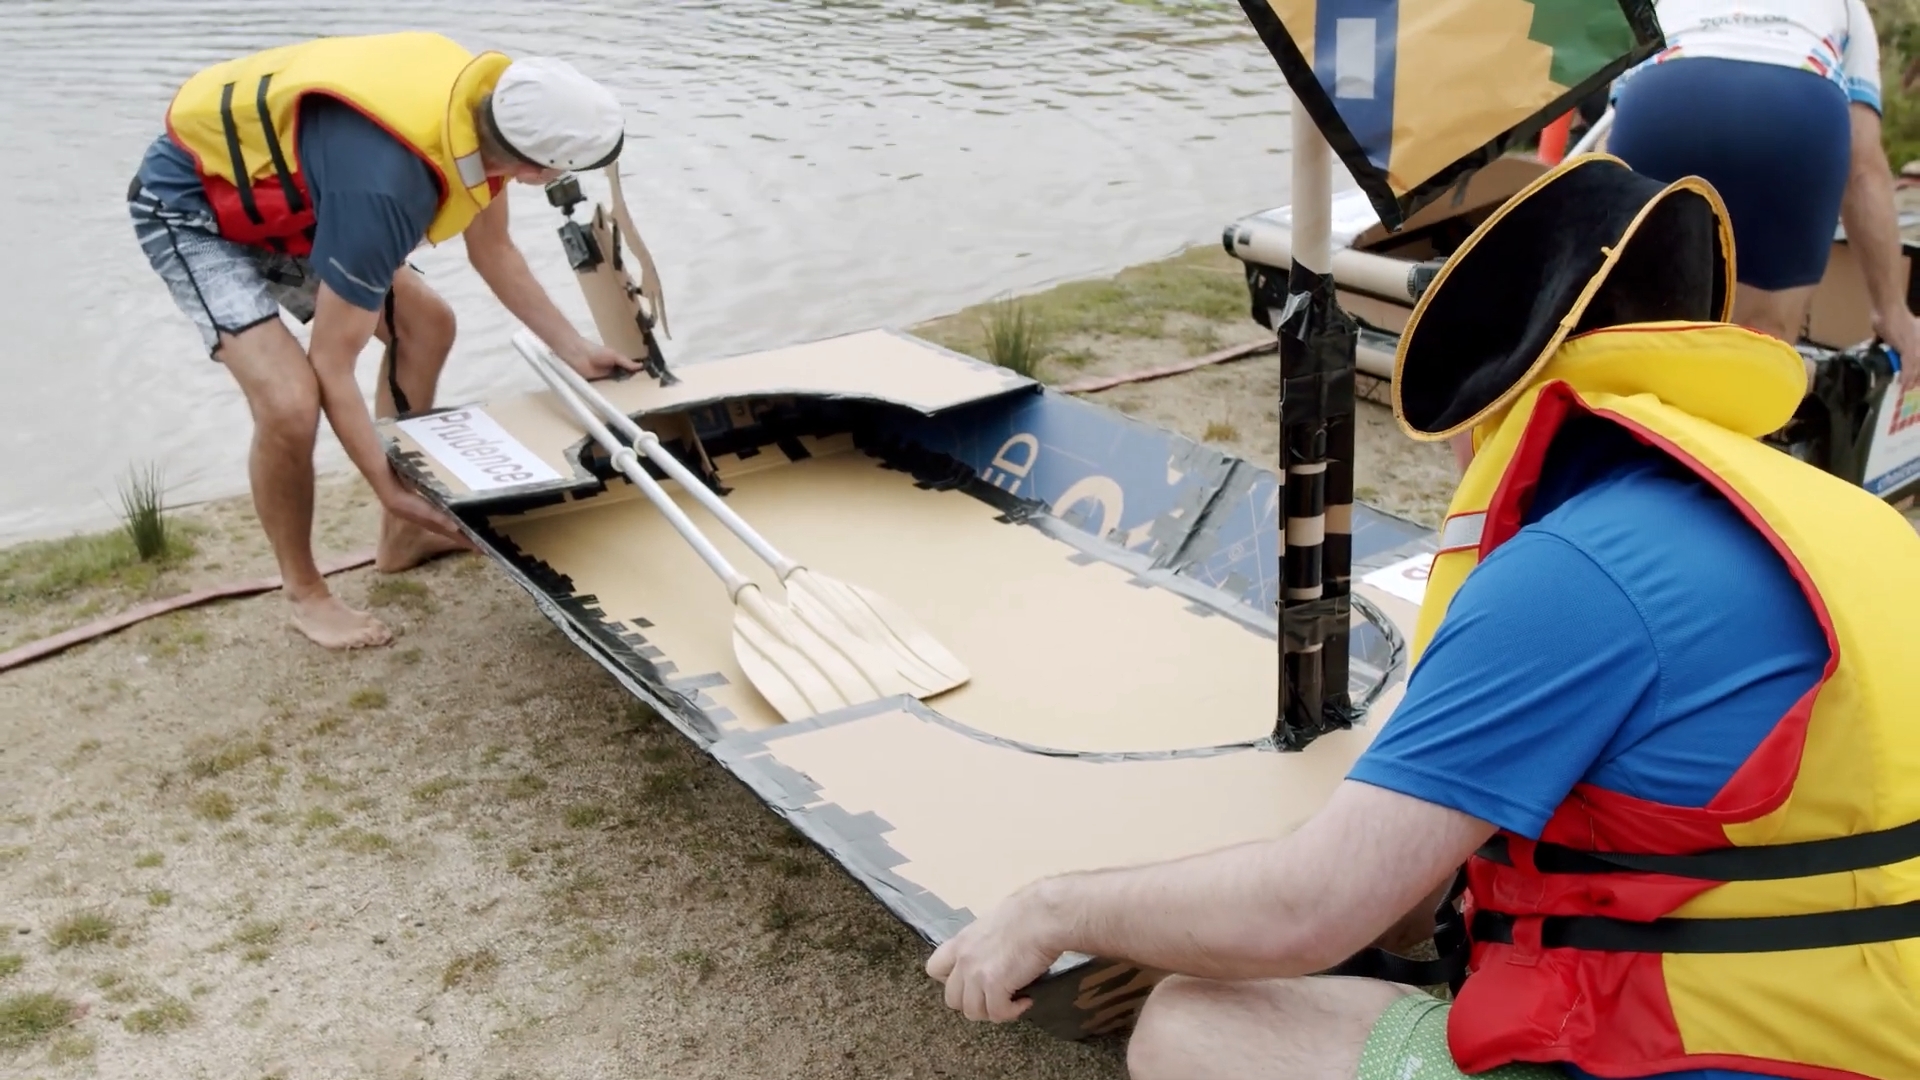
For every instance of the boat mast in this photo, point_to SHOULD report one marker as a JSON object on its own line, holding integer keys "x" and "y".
{"x": 1318, "y": 344}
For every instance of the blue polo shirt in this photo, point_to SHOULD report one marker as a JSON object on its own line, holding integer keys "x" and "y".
{"x": 1636, "y": 634}
{"x": 373, "y": 198}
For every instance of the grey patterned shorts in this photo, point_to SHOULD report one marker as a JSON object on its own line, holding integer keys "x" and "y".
{"x": 220, "y": 285}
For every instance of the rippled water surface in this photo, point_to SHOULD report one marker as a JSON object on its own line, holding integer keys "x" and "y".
{"x": 800, "y": 168}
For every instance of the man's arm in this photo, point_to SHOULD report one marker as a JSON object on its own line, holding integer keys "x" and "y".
{"x": 497, "y": 259}
{"x": 1873, "y": 232}
{"x": 1285, "y": 907}
{"x": 1273, "y": 908}
{"x": 340, "y": 331}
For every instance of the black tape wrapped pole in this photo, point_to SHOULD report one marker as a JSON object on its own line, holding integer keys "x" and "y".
{"x": 1318, "y": 345}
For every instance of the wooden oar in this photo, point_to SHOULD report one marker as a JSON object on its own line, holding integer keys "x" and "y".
{"x": 833, "y": 608}
{"x": 799, "y": 669}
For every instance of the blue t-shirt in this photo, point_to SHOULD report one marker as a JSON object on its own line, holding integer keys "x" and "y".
{"x": 1636, "y": 634}
{"x": 372, "y": 197}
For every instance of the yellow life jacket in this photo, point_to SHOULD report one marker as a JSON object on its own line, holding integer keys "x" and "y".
{"x": 239, "y": 121}
{"x": 1564, "y": 965}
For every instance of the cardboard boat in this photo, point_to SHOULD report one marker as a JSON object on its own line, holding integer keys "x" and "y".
{"x": 1112, "y": 586}
{"x": 1855, "y": 421}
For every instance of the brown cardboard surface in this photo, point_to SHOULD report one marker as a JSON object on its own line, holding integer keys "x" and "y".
{"x": 879, "y": 365}
{"x": 1065, "y": 653}
{"x": 970, "y": 821}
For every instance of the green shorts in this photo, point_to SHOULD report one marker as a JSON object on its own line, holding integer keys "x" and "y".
{"x": 1409, "y": 1042}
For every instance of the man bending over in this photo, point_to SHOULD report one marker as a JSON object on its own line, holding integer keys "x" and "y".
{"x": 302, "y": 177}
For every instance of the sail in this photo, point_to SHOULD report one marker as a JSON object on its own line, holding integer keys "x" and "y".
{"x": 1415, "y": 96}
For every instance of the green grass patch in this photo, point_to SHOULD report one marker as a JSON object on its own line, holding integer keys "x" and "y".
{"x": 368, "y": 697}
{"x": 80, "y": 929}
{"x": 44, "y": 571}
{"x": 363, "y": 842}
{"x": 433, "y": 789}
{"x": 212, "y": 805}
{"x": 400, "y": 592}
{"x": 26, "y": 1019}
{"x": 159, "y": 898}
{"x": 525, "y": 786}
{"x": 320, "y": 818}
{"x": 226, "y": 756}
{"x": 1204, "y": 283}
{"x": 70, "y": 1048}
{"x": 469, "y": 967}
{"x": 586, "y": 815}
{"x": 148, "y": 860}
{"x": 167, "y": 1014}
{"x": 11, "y": 963}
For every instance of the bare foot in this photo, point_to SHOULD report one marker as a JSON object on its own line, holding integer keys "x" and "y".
{"x": 404, "y": 546}
{"x": 333, "y": 625}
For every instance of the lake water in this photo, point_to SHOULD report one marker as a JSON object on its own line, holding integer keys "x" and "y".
{"x": 800, "y": 168}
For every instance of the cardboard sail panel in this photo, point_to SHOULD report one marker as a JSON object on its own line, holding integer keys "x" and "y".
{"x": 1415, "y": 97}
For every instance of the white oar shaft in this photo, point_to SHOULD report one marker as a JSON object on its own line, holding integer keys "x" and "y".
{"x": 649, "y": 444}
{"x": 627, "y": 463}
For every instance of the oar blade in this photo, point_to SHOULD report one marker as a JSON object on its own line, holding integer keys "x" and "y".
{"x": 929, "y": 667}
{"x": 800, "y": 670}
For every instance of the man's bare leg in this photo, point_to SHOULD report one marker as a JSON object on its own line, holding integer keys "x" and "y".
{"x": 284, "y": 397}
{"x": 426, "y": 329}
{"x": 1285, "y": 1029}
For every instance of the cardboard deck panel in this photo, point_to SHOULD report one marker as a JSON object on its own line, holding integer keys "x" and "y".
{"x": 1111, "y": 585}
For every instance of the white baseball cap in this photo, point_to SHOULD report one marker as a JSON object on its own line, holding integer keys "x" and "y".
{"x": 550, "y": 114}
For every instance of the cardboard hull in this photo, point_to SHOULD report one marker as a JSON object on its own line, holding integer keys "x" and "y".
{"x": 1855, "y": 422}
{"x": 1112, "y": 586}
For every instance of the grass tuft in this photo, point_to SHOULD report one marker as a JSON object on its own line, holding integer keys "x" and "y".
{"x": 28, "y": 1018}
{"x": 468, "y": 967}
{"x": 80, "y": 929}
{"x": 167, "y": 1014}
{"x": 11, "y": 963}
{"x": 1015, "y": 337}
{"x": 143, "y": 513}
{"x": 212, "y": 806}
{"x": 368, "y": 697}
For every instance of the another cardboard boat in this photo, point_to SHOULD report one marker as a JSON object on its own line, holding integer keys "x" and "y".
{"x": 1112, "y": 587}
{"x": 1855, "y": 421}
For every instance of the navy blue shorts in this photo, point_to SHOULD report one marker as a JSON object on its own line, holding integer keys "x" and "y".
{"x": 1775, "y": 141}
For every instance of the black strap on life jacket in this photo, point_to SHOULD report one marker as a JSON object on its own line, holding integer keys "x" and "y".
{"x": 1759, "y": 862}
{"x": 1450, "y": 940}
{"x": 295, "y": 203}
{"x": 241, "y": 183}
{"x": 242, "y": 179}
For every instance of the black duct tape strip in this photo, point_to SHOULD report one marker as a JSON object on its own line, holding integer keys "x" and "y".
{"x": 1761, "y": 934}
{"x": 1311, "y": 622}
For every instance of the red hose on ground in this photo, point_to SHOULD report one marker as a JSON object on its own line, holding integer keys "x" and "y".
{"x": 67, "y": 639}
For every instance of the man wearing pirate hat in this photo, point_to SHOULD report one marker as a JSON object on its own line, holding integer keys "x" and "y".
{"x": 1658, "y": 726}
{"x": 301, "y": 177}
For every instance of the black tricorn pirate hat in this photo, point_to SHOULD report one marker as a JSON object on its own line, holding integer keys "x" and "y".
{"x": 1589, "y": 244}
